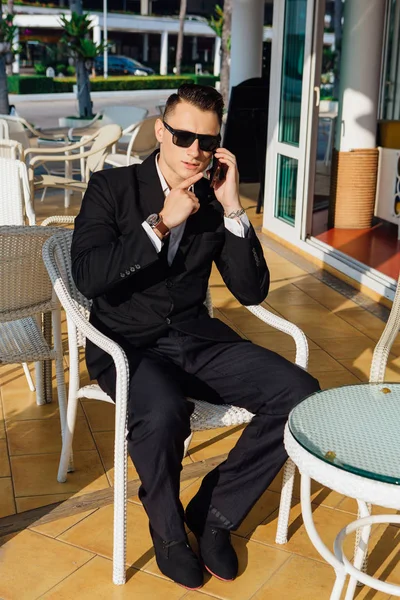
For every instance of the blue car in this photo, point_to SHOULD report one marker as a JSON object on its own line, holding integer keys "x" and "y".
{"x": 121, "y": 65}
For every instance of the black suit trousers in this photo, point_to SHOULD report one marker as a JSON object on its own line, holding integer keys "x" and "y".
{"x": 238, "y": 373}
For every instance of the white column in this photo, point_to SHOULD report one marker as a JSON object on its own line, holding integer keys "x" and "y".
{"x": 15, "y": 65}
{"x": 360, "y": 74}
{"x": 164, "y": 53}
{"x": 145, "y": 7}
{"x": 217, "y": 56}
{"x": 145, "y": 47}
{"x": 246, "y": 40}
{"x": 194, "y": 48}
{"x": 96, "y": 30}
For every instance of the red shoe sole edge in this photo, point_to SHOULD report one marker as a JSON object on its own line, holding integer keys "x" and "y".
{"x": 220, "y": 578}
{"x": 189, "y": 588}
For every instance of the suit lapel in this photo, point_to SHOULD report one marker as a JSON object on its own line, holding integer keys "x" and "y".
{"x": 150, "y": 190}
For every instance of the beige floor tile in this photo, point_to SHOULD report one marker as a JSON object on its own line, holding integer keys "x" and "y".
{"x": 361, "y": 367}
{"x": 95, "y": 533}
{"x": 333, "y": 379}
{"x": 289, "y": 294}
{"x": 32, "y": 563}
{"x": 37, "y": 474}
{"x": 328, "y": 523}
{"x": 94, "y": 580}
{"x": 342, "y": 349}
{"x": 325, "y": 295}
{"x": 100, "y": 415}
{"x": 363, "y": 320}
{"x": 264, "y": 507}
{"x": 319, "y": 361}
{"x": 257, "y": 563}
{"x": 4, "y": 462}
{"x": 7, "y": 505}
{"x": 44, "y": 436}
{"x": 320, "y": 495}
{"x": 277, "y": 341}
{"x": 2, "y": 423}
{"x": 299, "y": 578}
{"x": 245, "y": 321}
{"x": 56, "y": 528}
{"x": 105, "y": 445}
{"x": 32, "y": 502}
{"x": 210, "y": 450}
{"x": 197, "y": 596}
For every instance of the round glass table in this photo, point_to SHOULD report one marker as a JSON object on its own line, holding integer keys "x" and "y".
{"x": 348, "y": 439}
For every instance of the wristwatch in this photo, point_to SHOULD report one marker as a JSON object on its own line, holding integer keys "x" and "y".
{"x": 155, "y": 221}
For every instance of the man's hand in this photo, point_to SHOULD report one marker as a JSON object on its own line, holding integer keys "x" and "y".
{"x": 227, "y": 191}
{"x": 180, "y": 203}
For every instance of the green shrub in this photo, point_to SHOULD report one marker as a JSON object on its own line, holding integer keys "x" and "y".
{"x": 70, "y": 70}
{"x": 26, "y": 84}
{"x": 30, "y": 84}
{"x": 40, "y": 69}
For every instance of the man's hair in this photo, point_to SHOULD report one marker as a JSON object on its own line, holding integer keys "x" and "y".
{"x": 203, "y": 97}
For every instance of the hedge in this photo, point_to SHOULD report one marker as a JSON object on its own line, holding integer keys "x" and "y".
{"x": 25, "y": 84}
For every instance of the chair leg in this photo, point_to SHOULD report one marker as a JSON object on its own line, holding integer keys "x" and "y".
{"x": 40, "y": 395}
{"x": 28, "y": 377}
{"x": 285, "y": 502}
{"x": 120, "y": 485}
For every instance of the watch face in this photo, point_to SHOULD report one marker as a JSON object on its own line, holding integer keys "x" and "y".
{"x": 153, "y": 219}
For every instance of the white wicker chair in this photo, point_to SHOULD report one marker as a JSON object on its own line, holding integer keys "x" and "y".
{"x": 4, "y": 133}
{"x": 142, "y": 142}
{"x": 11, "y": 149}
{"x": 15, "y": 195}
{"x": 56, "y": 255}
{"x": 101, "y": 143}
{"x": 25, "y": 293}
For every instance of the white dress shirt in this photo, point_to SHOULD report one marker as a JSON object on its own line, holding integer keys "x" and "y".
{"x": 238, "y": 227}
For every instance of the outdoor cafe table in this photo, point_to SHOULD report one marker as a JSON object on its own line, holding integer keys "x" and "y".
{"x": 348, "y": 439}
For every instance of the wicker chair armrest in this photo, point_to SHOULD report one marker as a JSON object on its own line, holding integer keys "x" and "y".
{"x": 286, "y": 327}
{"x": 60, "y": 149}
{"x": 58, "y": 219}
{"x": 384, "y": 345}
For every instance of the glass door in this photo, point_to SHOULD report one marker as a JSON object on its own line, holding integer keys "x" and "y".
{"x": 294, "y": 100}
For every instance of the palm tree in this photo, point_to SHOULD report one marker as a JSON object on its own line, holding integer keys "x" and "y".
{"x": 226, "y": 51}
{"x": 179, "y": 46}
{"x": 77, "y": 37}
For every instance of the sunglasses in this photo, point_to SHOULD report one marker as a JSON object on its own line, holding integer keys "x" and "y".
{"x": 184, "y": 139}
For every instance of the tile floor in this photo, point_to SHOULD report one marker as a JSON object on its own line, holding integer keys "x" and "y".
{"x": 71, "y": 557}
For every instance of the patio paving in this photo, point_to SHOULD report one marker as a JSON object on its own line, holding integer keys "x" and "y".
{"x": 71, "y": 557}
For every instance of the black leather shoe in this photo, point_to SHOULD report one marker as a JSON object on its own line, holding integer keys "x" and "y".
{"x": 216, "y": 550}
{"x": 177, "y": 561}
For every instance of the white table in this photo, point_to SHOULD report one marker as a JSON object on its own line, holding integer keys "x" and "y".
{"x": 348, "y": 439}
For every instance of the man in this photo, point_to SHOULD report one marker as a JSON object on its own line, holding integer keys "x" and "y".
{"x": 143, "y": 248}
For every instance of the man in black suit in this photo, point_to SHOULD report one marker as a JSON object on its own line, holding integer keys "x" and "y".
{"x": 143, "y": 247}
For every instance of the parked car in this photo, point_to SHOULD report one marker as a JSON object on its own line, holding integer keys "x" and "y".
{"x": 121, "y": 65}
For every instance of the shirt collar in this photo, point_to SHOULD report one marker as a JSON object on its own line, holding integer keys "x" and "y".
{"x": 165, "y": 187}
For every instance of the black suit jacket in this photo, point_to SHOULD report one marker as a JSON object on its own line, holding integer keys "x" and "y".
{"x": 136, "y": 295}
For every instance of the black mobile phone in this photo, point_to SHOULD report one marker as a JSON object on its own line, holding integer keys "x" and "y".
{"x": 218, "y": 172}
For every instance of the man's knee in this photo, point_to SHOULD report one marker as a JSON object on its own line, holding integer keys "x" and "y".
{"x": 162, "y": 421}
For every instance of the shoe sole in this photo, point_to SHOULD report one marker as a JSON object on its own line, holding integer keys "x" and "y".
{"x": 217, "y": 576}
{"x": 188, "y": 588}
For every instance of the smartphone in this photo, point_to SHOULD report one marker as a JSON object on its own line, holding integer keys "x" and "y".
{"x": 218, "y": 172}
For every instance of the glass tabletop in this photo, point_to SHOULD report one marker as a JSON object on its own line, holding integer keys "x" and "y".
{"x": 354, "y": 427}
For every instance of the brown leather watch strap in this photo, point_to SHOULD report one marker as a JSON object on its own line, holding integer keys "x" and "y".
{"x": 162, "y": 228}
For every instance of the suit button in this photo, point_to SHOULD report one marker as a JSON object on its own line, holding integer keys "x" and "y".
{"x": 168, "y": 321}
{"x": 137, "y": 267}
{"x": 132, "y": 269}
{"x": 122, "y": 274}
{"x": 127, "y": 272}
{"x": 169, "y": 283}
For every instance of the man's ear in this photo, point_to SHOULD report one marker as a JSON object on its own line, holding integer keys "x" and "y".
{"x": 159, "y": 130}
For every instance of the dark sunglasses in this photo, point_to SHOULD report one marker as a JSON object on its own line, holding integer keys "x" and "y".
{"x": 184, "y": 139}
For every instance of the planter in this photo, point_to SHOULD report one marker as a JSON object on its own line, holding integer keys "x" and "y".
{"x": 353, "y": 188}
{"x": 73, "y": 122}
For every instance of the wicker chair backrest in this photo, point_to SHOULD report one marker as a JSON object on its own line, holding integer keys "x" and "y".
{"x": 4, "y": 135}
{"x": 14, "y": 192}
{"x": 10, "y": 148}
{"x": 25, "y": 287}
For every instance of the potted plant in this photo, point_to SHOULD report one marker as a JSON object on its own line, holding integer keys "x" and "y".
{"x": 78, "y": 39}
{"x": 7, "y": 51}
